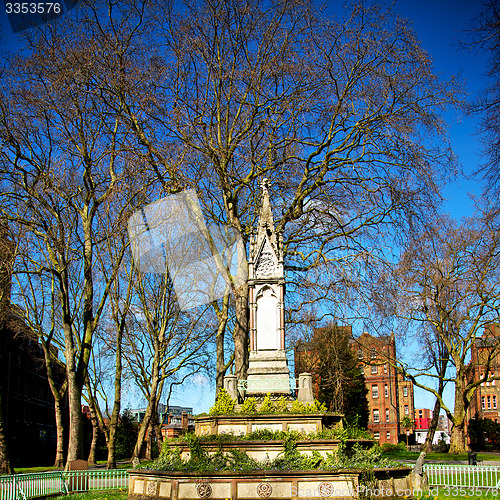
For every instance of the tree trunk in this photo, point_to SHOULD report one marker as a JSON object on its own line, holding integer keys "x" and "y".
{"x": 144, "y": 428}
{"x": 240, "y": 334}
{"x": 58, "y": 395}
{"x": 433, "y": 425}
{"x": 59, "y": 460}
{"x": 5, "y": 466}
{"x": 221, "y": 365}
{"x": 75, "y": 444}
{"x": 458, "y": 438}
{"x": 115, "y": 415}
{"x": 150, "y": 415}
{"x": 95, "y": 434}
{"x": 149, "y": 442}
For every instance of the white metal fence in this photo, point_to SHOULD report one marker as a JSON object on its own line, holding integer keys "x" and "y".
{"x": 25, "y": 486}
{"x": 463, "y": 476}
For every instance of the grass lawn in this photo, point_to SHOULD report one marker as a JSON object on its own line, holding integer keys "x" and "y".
{"x": 413, "y": 455}
{"x": 25, "y": 470}
{"x": 96, "y": 495}
{"x": 444, "y": 494}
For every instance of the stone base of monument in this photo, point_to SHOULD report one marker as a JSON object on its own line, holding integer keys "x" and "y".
{"x": 267, "y": 373}
{"x": 239, "y": 425}
{"x": 283, "y": 485}
{"x": 269, "y": 450}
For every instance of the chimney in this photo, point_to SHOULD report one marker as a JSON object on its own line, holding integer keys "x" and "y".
{"x": 184, "y": 421}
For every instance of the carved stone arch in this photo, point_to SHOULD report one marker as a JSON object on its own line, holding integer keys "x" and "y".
{"x": 268, "y": 290}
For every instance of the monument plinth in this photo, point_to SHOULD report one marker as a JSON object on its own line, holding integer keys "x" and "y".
{"x": 268, "y": 366}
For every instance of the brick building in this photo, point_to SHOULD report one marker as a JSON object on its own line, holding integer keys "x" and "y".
{"x": 390, "y": 397}
{"x": 175, "y": 419}
{"x": 423, "y": 417}
{"x": 485, "y": 351}
{"x": 28, "y": 409}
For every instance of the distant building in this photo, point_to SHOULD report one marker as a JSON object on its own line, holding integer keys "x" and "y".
{"x": 485, "y": 401}
{"x": 444, "y": 424}
{"x": 176, "y": 419}
{"x": 27, "y": 403}
{"x": 439, "y": 436}
{"x": 390, "y": 396}
{"x": 423, "y": 417}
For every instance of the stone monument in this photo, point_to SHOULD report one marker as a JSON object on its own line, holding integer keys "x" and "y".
{"x": 268, "y": 368}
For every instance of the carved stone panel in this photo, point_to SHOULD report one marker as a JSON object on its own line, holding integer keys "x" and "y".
{"x": 267, "y": 265}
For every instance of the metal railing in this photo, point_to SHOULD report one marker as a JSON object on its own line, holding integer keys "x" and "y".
{"x": 267, "y": 385}
{"x": 40, "y": 484}
{"x": 463, "y": 476}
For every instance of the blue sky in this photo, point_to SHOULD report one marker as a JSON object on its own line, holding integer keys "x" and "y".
{"x": 440, "y": 25}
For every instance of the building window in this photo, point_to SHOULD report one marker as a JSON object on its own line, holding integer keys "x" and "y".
{"x": 373, "y": 354}
{"x": 374, "y": 368}
{"x": 494, "y": 402}
{"x": 407, "y": 411}
{"x": 374, "y": 391}
{"x": 387, "y": 415}
{"x": 376, "y": 435}
{"x": 482, "y": 375}
{"x": 386, "y": 391}
{"x": 362, "y": 370}
{"x": 376, "y": 416}
{"x": 388, "y": 435}
{"x": 385, "y": 368}
{"x": 489, "y": 402}
{"x": 360, "y": 354}
{"x": 483, "y": 403}
{"x": 405, "y": 392}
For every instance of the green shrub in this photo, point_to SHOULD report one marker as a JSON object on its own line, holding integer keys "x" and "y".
{"x": 267, "y": 405}
{"x": 391, "y": 448}
{"x": 224, "y": 405}
{"x": 281, "y": 405}
{"x": 289, "y": 459}
{"x": 249, "y": 406}
{"x": 298, "y": 407}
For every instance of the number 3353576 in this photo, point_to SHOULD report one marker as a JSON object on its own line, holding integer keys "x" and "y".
{"x": 33, "y": 8}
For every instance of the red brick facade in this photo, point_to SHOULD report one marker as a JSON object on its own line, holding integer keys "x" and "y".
{"x": 390, "y": 397}
{"x": 485, "y": 402}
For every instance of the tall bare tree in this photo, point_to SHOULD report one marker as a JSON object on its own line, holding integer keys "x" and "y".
{"x": 65, "y": 161}
{"x": 333, "y": 112}
{"x": 447, "y": 286}
{"x": 485, "y": 37}
{"x": 162, "y": 343}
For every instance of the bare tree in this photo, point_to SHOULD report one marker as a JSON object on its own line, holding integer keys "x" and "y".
{"x": 446, "y": 286}
{"x": 485, "y": 37}
{"x": 333, "y": 112}
{"x": 162, "y": 343}
{"x": 64, "y": 162}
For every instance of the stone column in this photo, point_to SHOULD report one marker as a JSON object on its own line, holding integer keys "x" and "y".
{"x": 231, "y": 386}
{"x": 305, "y": 394}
